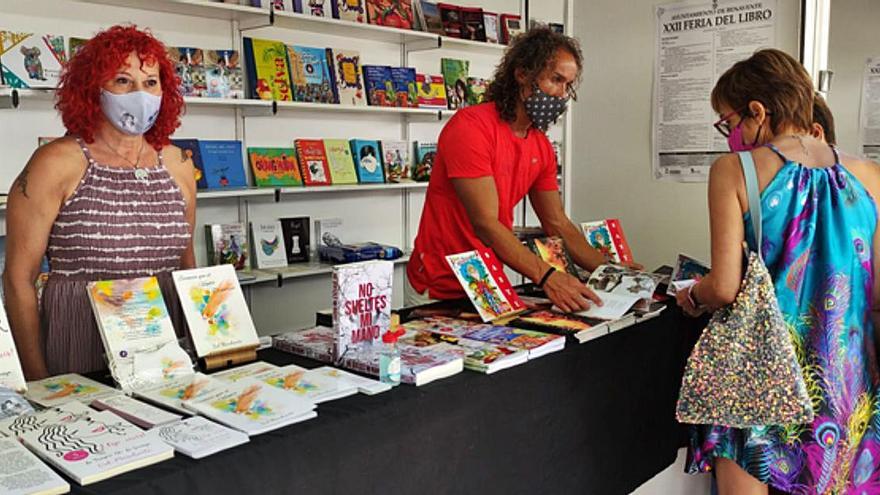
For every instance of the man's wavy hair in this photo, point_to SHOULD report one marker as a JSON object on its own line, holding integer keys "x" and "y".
{"x": 79, "y": 94}
{"x": 531, "y": 53}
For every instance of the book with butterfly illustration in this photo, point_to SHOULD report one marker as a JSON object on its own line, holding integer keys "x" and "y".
{"x": 11, "y": 375}
{"x": 24, "y": 474}
{"x": 482, "y": 277}
{"x": 217, "y": 315}
{"x": 189, "y": 63}
{"x": 171, "y": 393}
{"x": 364, "y": 385}
{"x": 552, "y": 251}
{"x": 31, "y": 60}
{"x": 197, "y": 437}
{"x": 274, "y": 167}
{"x": 190, "y": 149}
{"x": 59, "y": 389}
{"x": 268, "y": 241}
{"x": 308, "y": 384}
{"x": 606, "y": 236}
{"x": 296, "y": 238}
{"x": 97, "y": 447}
{"x": 223, "y": 164}
{"x": 227, "y": 244}
{"x": 251, "y": 406}
{"x": 135, "y": 411}
{"x": 136, "y": 330}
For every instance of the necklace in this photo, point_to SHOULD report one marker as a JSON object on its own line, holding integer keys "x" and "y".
{"x": 139, "y": 173}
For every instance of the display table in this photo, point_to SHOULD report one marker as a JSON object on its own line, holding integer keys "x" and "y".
{"x": 597, "y": 418}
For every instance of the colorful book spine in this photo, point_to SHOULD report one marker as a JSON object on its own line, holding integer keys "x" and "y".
{"x": 313, "y": 162}
{"x": 267, "y": 69}
{"x": 404, "y": 81}
{"x": 380, "y": 86}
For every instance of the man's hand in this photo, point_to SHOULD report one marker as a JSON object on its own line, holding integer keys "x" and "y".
{"x": 568, "y": 293}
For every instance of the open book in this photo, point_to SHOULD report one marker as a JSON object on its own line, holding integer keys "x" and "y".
{"x": 621, "y": 289}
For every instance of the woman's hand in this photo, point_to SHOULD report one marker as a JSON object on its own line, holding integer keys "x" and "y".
{"x": 686, "y": 303}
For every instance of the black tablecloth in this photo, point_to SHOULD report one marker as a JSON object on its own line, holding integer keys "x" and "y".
{"x": 597, "y": 418}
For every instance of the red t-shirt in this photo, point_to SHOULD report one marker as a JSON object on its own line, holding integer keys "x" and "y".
{"x": 475, "y": 143}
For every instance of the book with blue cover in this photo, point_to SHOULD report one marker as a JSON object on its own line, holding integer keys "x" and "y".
{"x": 404, "y": 80}
{"x": 223, "y": 164}
{"x": 380, "y": 86}
{"x": 190, "y": 148}
{"x": 310, "y": 75}
{"x": 367, "y": 160}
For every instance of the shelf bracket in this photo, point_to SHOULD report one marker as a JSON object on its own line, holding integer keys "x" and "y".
{"x": 277, "y": 195}
{"x": 280, "y": 280}
{"x": 9, "y": 99}
{"x": 423, "y": 45}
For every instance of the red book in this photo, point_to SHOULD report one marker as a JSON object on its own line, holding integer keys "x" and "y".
{"x": 390, "y": 13}
{"x": 482, "y": 277}
{"x": 313, "y": 162}
{"x": 472, "y": 24}
{"x": 607, "y": 237}
{"x": 450, "y": 16}
{"x": 511, "y": 25}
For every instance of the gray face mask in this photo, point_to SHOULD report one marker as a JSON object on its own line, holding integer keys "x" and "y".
{"x": 544, "y": 109}
{"x": 132, "y": 113}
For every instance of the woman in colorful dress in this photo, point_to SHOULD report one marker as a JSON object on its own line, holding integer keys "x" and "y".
{"x": 819, "y": 245}
{"x": 112, "y": 199}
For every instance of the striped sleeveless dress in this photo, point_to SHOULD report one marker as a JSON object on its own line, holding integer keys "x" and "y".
{"x": 115, "y": 225}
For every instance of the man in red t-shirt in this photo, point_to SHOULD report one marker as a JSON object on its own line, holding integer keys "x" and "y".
{"x": 491, "y": 155}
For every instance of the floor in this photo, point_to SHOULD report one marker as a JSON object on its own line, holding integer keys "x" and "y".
{"x": 673, "y": 481}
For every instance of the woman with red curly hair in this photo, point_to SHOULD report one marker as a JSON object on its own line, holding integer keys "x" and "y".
{"x": 110, "y": 200}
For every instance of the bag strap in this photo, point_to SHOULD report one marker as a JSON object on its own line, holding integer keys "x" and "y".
{"x": 754, "y": 195}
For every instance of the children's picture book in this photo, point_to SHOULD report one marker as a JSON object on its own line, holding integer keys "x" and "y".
{"x": 310, "y": 385}
{"x": 404, "y": 79}
{"x": 296, "y": 238}
{"x": 223, "y": 74}
{"x": 250, "y": 406}
{"x": 11, "y": 375}
{"x": 361, "y": 303}
{"x": 349, "y": 10}
{"x": 31, "y": 60}
{"x": 455, "y": 75}
{"x": 348, "y": 77}
{"x": 482, "y": 277}
{"x": 197, "y": 437}
{"x": 278, "y": 5}
{"x": 472, "y": 24}
{"x": 429, "y": 16}
{"x": 317, "y": 8}
{"x": 686, "y": 268}
{"x": 431, "y": 91}
{"x": 313, "y": 162}
{"x": 217, "y": 315}
{"x": 552, "y": 250}
{"x": 476, "y": 90}
{"x": 136, "y": 330}
{"x": 340, "y": 161}
{"x": 511, "y": 26}
{"x": 607, "y": 237}
{"x": 24, "y": 474}
{"x": 490, "y": 23}
{"x": 223, "y": 165}
{"x": 310, "y": 75}
{"x": 390, "y": 13}
{"x": 395, "y": 156}
{"x": 59, "y": 389}
{"x": 268, "y": 72}
{"x": 189, "y": 63}
{"x": 227, "y": 244}
{"x": 380, "y": 86}
{"x": 97, "y": 447}
{"x": 268, "y": 241}
{"x": 274, "y": 167}
{"x": 135, "y": 411}
{"x": 424, "y": 161}
{"x": 479, "y": 356}
{"x": 536, "y": 343}
{"x": 450, "y": 18}
{"x": 190, "y": 148}
{"x": 367, "y": 160}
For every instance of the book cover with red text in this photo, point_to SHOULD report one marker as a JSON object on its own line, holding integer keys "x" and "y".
{"x": 361, "y": 303}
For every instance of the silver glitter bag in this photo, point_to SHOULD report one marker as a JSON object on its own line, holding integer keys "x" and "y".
{"x": 743, "y": 370}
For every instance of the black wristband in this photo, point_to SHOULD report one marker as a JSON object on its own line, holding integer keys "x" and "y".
{"x": 546, "y": 276}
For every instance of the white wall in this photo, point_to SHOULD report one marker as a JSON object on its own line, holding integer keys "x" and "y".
{"x": 854, "y": 38}
{"x": 612, "y": 128}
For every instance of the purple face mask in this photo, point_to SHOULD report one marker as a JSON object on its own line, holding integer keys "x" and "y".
{"x": 735, "y": 139}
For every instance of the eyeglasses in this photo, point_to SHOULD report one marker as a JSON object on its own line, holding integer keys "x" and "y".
{"x": 723, "y": 126}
